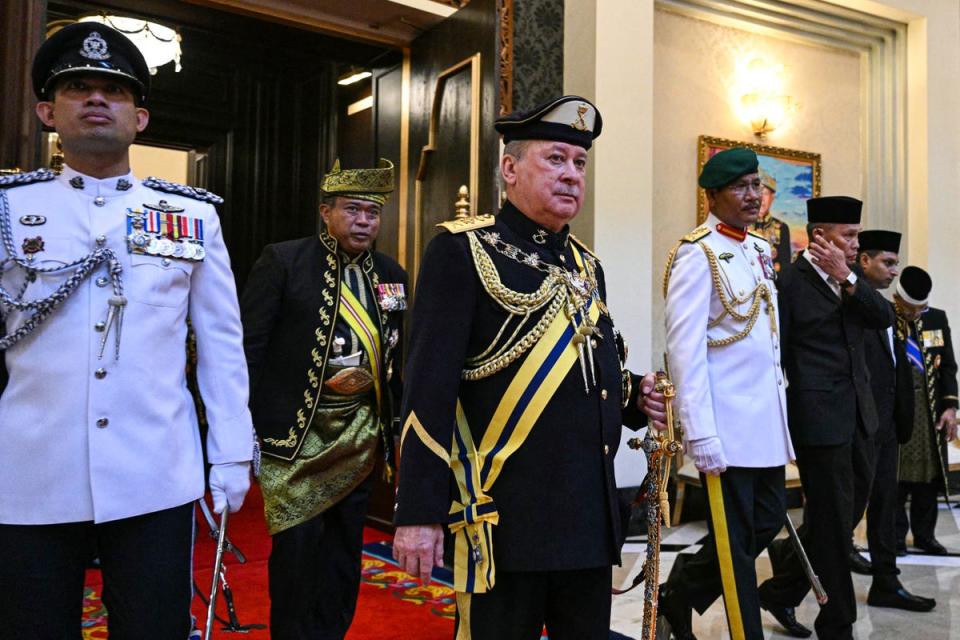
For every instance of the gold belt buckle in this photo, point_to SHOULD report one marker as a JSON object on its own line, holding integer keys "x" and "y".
{"x": 350, "y": 381}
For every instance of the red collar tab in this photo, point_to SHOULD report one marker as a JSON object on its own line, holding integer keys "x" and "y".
{"x": 732, "y": 232}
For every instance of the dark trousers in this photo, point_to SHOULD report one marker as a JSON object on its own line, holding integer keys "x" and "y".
{"x": 881, "y": 509}
{"x": 147, "y": 583}
{"x": 574, "y": 605}
{"x": 314, "y": 571}
{"x": 864, "y": 458}
{"x": 827, "y": 477}
{"x": 923, "y": 511}
{"x": 754, "y": 509}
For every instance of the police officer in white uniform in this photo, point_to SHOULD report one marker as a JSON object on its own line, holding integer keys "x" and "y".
{"x": 724, "y": 357}
{"x": 100, "y": 444}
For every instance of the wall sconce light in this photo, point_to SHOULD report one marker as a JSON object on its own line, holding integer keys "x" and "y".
{"x": 353, "y": 75}
{"x": 158, "y": 44}
{"x": 758, "y": 96}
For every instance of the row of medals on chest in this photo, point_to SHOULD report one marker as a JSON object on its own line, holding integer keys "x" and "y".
{"x": 171, "y": 235}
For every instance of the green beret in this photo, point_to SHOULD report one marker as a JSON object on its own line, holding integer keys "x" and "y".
{"x": 726, "y": 166}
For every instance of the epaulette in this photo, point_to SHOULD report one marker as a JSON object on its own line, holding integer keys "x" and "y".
{"x": 583, "y": 246}
{"x": 20, "y": 179}
{"x": 181, "y": 189}
{"x": 697, "y": 234}
{"x": 694, "y": 236}
{"x": 756, "y": 234}
{"x": 459, "y": 225}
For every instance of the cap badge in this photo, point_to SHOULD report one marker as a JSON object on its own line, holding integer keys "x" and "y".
{"x": 580, "y": 124}
{"x": 95, "y": 47}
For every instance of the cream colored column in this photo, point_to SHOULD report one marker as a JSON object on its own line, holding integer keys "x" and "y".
{"x": 608, "y": 57}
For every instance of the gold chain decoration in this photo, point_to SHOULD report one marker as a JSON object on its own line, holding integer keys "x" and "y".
{"x": 560, "y": 289}
{"x": 760, "y": 292}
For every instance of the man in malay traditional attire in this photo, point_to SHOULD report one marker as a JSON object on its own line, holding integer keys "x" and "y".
{"x": 322, "y": 319}
{"x": 926, "y": 333}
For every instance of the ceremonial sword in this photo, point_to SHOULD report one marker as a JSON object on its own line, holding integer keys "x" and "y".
{"x": 660, "y": 448}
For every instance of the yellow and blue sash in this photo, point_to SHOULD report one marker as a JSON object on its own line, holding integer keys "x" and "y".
{"x": 357, "y": 318}
{"x": 473, "y": 517}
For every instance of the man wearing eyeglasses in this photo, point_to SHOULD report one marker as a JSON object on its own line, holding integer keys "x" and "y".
{"x": 724, "y": 355}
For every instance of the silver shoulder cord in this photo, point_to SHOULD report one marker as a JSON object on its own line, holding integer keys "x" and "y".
{"x": 43, "y": 307}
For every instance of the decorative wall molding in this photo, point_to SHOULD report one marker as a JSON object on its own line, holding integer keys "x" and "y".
{"x": 882, "y": 46}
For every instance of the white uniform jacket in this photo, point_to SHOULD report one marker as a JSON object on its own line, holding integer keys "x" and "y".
{"x": 734, "y": 391}
{"x": 84, "y": 437}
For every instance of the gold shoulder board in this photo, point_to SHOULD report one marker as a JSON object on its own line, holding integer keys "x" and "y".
{"x": 696, "y": 234}
{"x": 459, "y": 225}
{"x": 583, "y": 246}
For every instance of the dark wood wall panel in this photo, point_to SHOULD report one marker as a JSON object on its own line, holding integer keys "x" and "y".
{"x": 387, "y": 100}
{"x": 23, "y": 30}
{"x": 470, "y": 30}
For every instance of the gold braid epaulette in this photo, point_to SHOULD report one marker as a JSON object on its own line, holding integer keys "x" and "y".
{"x": 694, "y": 236}
{"x": 551, "y": 293}
{"x": 459, "y": 225}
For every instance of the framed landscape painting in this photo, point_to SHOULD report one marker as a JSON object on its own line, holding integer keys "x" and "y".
{"x": 797, "y": 176}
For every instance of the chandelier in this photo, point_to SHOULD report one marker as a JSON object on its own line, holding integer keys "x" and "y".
{"x": 158, "y": 44}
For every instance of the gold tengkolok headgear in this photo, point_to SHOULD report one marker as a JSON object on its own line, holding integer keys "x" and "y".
{"x": 374, "y": 185}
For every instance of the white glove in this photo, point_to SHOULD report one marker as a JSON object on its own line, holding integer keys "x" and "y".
{"x": 229, "y": 483}
{"x": 708, "y": 455}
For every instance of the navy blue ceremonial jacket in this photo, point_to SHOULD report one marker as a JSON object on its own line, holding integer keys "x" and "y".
{"x": 556, "y": 495}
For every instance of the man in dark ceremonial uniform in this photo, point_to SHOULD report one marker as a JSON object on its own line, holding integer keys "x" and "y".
{"x": 926, "y": 334}
{"x": 515, "y": 383}
{"x": 824, "y": 312}
{"x": 322, "y": 320}
{"x": 875, "y": 458}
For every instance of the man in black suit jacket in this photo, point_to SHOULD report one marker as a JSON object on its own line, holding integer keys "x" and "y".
{"x": 926, "y": 333}
{"x": 875, "y": 459}
{"x": 824, "y": 312}
{"x": 322, "y": 320}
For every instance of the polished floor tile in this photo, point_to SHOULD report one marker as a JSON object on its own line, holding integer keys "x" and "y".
{"x": 929, "y": 576}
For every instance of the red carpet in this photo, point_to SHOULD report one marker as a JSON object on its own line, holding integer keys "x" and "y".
{"x": 391, "y": 605}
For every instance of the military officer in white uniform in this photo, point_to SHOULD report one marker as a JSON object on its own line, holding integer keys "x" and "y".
{"x": 724, "y": 357}
{"x": 100, "y": 444}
